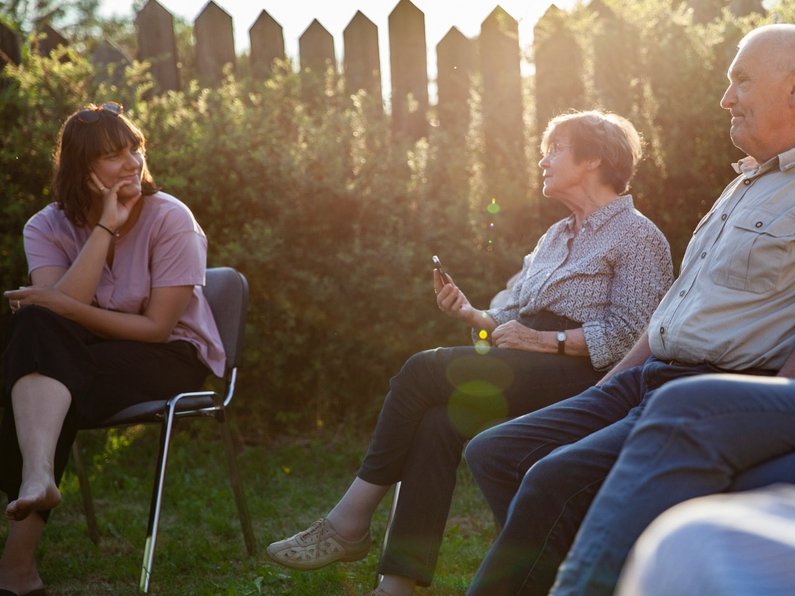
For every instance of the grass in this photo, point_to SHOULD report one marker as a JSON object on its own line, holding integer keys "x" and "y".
{"x": 200, "y": 549}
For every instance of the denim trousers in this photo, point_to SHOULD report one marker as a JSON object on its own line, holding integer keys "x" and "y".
{"x": 696, "y": 437}
{"x": 540, "y": 472}
{"x": 436, "y": 402}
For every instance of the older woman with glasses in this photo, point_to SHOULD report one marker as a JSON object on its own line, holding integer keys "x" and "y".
{"x": 114, "y": 314}
{"x": 582, "y": 299}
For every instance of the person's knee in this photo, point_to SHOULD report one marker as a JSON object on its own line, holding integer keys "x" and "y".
{"x": 686, "y": 397}
{"x": 32, "y": 315}
{"x": 479, "y": 453}
{"x": 416, "y": 366}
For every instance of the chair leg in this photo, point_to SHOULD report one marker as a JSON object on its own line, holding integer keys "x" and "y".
{"x": 390, "y": 517}
{"x": 156, "y": 502}
{"x": 237, "y": 488}
{"x": 85, "y": 493}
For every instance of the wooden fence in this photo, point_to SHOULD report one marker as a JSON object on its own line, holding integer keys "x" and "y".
{"x": 494, "y": 56}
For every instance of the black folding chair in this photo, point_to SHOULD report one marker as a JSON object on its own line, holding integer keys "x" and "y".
{"x": 227, "y": 292}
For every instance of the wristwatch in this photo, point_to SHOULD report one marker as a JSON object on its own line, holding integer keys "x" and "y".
{"x": 561, "y": 342}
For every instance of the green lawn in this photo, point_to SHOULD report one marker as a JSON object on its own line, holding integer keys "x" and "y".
{"x": 200, "y": 549}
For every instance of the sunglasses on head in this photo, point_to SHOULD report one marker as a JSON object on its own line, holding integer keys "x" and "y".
{"x": 91, "y": 115}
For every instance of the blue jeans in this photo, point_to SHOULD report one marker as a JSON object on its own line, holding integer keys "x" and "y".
{"x": 540, "y": 472}
{"x": 694, "y": 438}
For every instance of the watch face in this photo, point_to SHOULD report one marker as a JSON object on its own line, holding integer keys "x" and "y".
{"x": 561, "y": 336}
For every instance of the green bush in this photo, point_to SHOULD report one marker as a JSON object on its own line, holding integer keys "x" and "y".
{"x": 333, "y": 220}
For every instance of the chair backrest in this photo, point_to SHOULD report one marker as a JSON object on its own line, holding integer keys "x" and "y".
{"x": 226, "y": 290}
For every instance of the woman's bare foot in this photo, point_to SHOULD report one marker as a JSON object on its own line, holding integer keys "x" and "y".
{"x": 21, "y": 582}
{"x": 33, "y": 496}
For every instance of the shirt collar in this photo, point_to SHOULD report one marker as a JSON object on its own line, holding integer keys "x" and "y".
{"x": 750, "y": 167}
{"x": 604, "y": 214}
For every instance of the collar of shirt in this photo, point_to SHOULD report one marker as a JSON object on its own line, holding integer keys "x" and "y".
{"x": 751, "y": 168}
{"x": 604, "y": 214}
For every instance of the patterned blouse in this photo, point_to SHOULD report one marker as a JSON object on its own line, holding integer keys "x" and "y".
{"x": 610, "y": 276}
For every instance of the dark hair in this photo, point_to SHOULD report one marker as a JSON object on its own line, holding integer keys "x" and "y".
{"x": 600, "y": 135}
{"x": 80, "y": 142}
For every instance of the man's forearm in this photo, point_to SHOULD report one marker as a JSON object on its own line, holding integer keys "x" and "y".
{"x": 635, "y": 357}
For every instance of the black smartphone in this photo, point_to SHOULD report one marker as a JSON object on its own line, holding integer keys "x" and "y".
{"x": 437, "y": 264}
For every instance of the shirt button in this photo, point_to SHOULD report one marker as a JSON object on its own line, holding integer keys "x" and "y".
{"x": 746, "y": 181}
{"x": 682, "y": 293}
{"x": 703, "y": 255}
{"x": 724, "y": 217}
{"x": 759, "y": 224}
{"x": 662, "y": 330}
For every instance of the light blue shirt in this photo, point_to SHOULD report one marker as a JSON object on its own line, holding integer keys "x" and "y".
{"x": 733, "y": 304}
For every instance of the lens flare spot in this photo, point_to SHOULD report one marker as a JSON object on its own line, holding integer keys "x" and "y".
{"x": 476, "y": 405}
{"x": 482, "y": 347}
{"x": 493, "y": 207}
{"x": 483, "y": 334}
{"x": 287, "y": 470}
{"x": 474, "y": 368}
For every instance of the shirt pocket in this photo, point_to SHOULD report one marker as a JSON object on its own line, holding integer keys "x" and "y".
{"x": 754, "y": 251}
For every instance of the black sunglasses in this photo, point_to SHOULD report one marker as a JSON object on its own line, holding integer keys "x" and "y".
{"x": 91, "y": 115}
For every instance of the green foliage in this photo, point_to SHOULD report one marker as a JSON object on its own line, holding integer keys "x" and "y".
{"x": 333, "y": 220}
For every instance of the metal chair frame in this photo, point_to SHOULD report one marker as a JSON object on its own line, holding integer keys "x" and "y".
{"x": 223, "y": 283}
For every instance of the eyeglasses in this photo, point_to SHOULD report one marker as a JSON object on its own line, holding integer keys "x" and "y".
{"x": 554, "y": 148}
{"x": 91, "y": 115}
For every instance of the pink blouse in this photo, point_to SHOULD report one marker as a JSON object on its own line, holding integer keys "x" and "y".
{"x": 166, "y": 247}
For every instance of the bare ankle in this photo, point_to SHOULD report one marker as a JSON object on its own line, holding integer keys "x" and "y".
{"x": 349, "y": 529}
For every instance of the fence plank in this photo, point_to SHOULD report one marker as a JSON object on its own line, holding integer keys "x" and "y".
{"x": 455, "y": 56}
{"x": 49, "y": 40}
{"x": 109, "y": 63}
{"x": 316, "y": 49}
{"x": 559, "y": 67}
{"x": 158, "y": 45}
{"x": 10, "y": 47}
{"x": 316, "y": 57}
{"x": 503, "y": 116}
{"x": 409, "y": 68}
{"x": 361, "y": 62}
{"x": 267, "y": 44}
{"x": 215, "y": 43}
{"x": 614, "y": 61}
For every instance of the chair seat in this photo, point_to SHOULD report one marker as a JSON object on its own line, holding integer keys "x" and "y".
{"x": 153, "y": 411}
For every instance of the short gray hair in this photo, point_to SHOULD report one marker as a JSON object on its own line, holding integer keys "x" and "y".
{"x": 600, "y": 135}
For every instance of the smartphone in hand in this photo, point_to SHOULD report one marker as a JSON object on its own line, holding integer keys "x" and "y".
{"x": 437, "y": 264}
